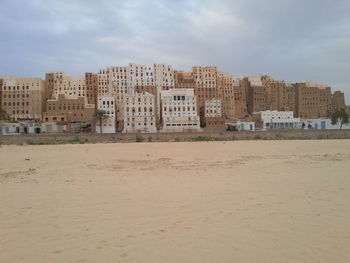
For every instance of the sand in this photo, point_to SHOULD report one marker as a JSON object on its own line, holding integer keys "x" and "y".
{"x": 247, "y": 201}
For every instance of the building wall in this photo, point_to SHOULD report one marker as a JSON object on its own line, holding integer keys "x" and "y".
{"x": 313, "y": 100}
{"x": 279, "y": 119}
{"x": 66, "y": 110}
{"x": 338, "y": 101}
{"x": 179, "y": 110}
{"x": 227, "y": 88}
{"x": 91, "y": 88}
{"x": 256, "y": 94}
{"x": 107, "y": 104}
{"x": 139, "y": 113}
{"x": 241, "y": 110}
{"x": 213, "y": 108}
{"x": 215, "y": 123}
{"x": 321, "y": 124}
{"x": 23, "y": 98}
{"x": 59, "y": 83}
{"x": 1, "y": 84}
{"x": 245, "y": 126}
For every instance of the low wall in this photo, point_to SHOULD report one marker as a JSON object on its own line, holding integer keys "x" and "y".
{"x": 159, "y": 137}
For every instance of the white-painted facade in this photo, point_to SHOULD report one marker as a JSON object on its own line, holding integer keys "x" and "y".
{"x": 139, "y": 113}
{"x": 245, "y": 126}
{"x": 213, "y": 108}
{"x": 321, "y": 124}
{"x": 279, "y": 120}
{"x": 107, "y": 104}
{"x": 179, "y": 110}
{"x": 30, "y": 128}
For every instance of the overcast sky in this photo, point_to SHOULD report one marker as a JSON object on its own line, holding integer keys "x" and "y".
{"x": 292, "y": 40}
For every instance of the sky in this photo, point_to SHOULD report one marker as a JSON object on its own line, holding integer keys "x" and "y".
{"x": 291, "y": 40}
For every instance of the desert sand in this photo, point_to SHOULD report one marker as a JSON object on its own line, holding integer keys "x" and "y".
{"x": 246, "y": 201}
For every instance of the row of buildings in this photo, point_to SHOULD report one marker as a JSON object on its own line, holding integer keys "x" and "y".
{"x": 138, "y": 98}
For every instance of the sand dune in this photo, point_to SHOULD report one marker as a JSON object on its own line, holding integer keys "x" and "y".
{"x": 252, "y": 201}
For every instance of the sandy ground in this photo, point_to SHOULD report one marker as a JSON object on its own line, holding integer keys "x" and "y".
{"x": 252, "y": 201}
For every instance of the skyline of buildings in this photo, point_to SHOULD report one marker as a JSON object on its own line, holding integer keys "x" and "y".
{"x": 147, "y": 98}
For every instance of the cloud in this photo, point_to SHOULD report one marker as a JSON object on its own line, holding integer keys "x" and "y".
{"x": 288, "y": 39}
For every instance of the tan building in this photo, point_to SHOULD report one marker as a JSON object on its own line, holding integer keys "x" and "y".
{"x": 313, "y": 100}
{"x": 281, "y": 96}
{"x": 207, "y": 87}
{"x": 139, "y": 113}
{"x": 59, "y": 83}
{"x": 213, "y": 114}
{"x": 23, "y": 98}
{"x": 241, "y": 110}
{"x": 209, "y": 83}
{"x": 91, "y": 82}
{"x": 256, "y": 93}
{"x": 338, "y": 101}
{"x": 67, "y": 110}
{"x": 1, "y": 84}
{"x": 227, "y": 88}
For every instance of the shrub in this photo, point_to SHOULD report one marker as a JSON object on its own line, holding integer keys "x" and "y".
{"x": 257, "y": 137}
{"x": 139, "y": 139}
{"x": 150, "y": 139}
{"x": 203, "y": 139}
{"x": 279, "y": 135}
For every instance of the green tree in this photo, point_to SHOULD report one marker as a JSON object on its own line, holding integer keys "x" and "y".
{"x": 100, "y": 115}
{"x": 4, "y": 115}
{"x": 340, "y": 116}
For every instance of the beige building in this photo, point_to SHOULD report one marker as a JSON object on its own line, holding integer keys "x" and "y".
{"x": 256, "y": 93}
{"x": 1, "y": 84}
{"x": 91, "y": 82}
{"x": 123, "y": 81}
{"x": 208, "y": 83}
{"x": 23, "y": 98}
{"x": 67, "y": 110}
{"x": 71, "y": 87}
{"x": 213, "y": 108}
{"x": 139, "y": 113}
{"x": 179, "y": 111}
{"x": 227, "y": 89}
{"x": 213, "y": 114}
{"x": 338, "y": 101}
{"x": 313, "y": 100}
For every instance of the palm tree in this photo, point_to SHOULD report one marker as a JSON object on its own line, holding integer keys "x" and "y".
{"x": 340, "y": 116}
{"x": 100, "y": 115}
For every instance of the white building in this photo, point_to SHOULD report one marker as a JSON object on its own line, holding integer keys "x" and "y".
{"x": 30, "y": 128}
{"x": 107, "y": 104}
{"x": 245, "y": 126}
{"x": 321, "y": 124}
{"x": 179, "y": 110}
{"x": 139, "y": 113}
{"x": 279, "y": 120}
{"x": 122, "y": 81}
{"x": 213, "y": 108}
